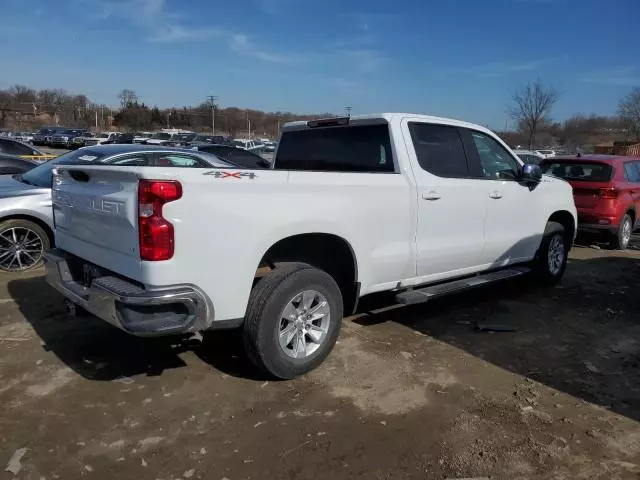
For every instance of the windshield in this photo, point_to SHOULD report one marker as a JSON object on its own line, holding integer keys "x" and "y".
{"x": 585, "y": 172}
{"x": 161, "y": 136}
{"x": 143, "y": 135}
{"x": 40, "y": 176}
{"x": 238, "y": 143}
{"x": 103, "y": 135}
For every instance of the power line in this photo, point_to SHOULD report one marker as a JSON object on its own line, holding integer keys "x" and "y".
{"x": 212, "y": 100}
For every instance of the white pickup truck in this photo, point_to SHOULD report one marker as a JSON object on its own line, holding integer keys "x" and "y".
{"x": 419, "y": 205}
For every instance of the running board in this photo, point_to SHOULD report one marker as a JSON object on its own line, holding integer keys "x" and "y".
{"x": 411, "y": 297}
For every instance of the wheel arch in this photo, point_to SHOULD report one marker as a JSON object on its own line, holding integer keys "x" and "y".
{"x": 567, "y": 220}
{"x": 35, "y": 219}
{"x": 326, "y": 251}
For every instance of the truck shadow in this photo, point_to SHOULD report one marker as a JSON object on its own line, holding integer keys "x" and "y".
{"x": 581, "y": 338}
{"x": 98, "y": 351}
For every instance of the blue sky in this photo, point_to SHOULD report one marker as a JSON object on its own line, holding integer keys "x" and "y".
{"x": 458, "y": 58}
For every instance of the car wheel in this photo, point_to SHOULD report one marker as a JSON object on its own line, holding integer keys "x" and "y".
{"x": 22, "y": 245}
{"x": 551, "y": 259}
{"x": 293, "y": 320}
{"x": 622, "y": 237}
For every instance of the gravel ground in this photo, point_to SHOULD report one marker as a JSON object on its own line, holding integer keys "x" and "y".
{"x": 408, "y": 392}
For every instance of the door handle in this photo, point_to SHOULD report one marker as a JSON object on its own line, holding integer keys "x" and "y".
{"x": 495, "y": 194}
{"x": 432, "y": 195}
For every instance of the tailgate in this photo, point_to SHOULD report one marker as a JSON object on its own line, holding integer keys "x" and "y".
{"x": 96, "y": 217}
{"x": 587, "y": 194}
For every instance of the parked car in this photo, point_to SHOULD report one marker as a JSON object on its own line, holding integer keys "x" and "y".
{"x": 81, "y": 141}
{"x": 140, "y": 137}
{"x": 234, "y": 155}
{"x": 9, "y": 146}
{"x": 163, "y": 138}
{"x": 211, "y": 139}
{"x": 26, "y": 218}
{"x": 529, "y": 156}
{"x": 120, "y": 138}
{"x": 44, "y": 133}
{"x": 251, "y": 145}
{"x": 418, "y": 205}
{"x": 12, "y": 165}
{"x": 100, "y": 138}
{"x": 269, "y": 146}
{"x": 606, "y": 189}
{"x": 26, "y": 137}
{"x": 65, "y": 138}
{"x": 546, "y": 153}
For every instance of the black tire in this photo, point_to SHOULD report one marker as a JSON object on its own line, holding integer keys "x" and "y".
{"x": 620, "y": 239}
{"x": 542, "y": 265}
{"x": 263, "y": 319}
{"x": 22, "y": 225}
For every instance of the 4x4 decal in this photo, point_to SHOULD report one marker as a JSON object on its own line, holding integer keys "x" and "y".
{"x": 236, "y": 175}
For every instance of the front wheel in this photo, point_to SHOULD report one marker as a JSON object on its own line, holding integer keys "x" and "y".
{"x": 551, "y": 259}
{"x": 293, "y": 320}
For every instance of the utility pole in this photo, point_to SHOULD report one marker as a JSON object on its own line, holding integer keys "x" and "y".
{"x": 249, "y": 125}
{"x": 96, "y": 120}
{"x": 347, "y": 110}
{"x": 212, "y": 101}
{"x": 168, "y": 115}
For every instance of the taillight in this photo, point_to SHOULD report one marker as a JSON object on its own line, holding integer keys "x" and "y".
{"x": 155, "y": 232}
{"x": 608, "y": 193}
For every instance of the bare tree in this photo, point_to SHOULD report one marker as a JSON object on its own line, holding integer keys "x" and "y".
{"x": 532, "y": 106}
{"x": 629, "y": 110}
{"x": 127, "y": 97}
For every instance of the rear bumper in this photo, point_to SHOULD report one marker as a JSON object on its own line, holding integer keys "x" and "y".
{"x": 133, "y": 308}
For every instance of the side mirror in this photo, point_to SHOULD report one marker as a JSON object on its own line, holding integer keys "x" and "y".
{"x": 531, "y": 174}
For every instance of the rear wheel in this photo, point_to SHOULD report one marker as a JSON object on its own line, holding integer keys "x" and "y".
{"x": 293, "y": 320}
{"x": 551, "y": 259}
{"x": 22, "y": 245}
{"x": 621, "y": 238}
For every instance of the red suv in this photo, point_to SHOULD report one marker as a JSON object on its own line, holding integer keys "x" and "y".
{"x": 606, "y": 190}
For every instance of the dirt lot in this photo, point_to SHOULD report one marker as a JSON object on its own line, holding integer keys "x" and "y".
{"x": 409, "y": 392}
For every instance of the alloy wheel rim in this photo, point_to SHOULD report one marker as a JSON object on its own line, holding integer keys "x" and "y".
{"x": 304, "y": 324}
{"x": 20, "y": 249}
{"x": 626, "y": 232}
{"x": 556, "y": 254}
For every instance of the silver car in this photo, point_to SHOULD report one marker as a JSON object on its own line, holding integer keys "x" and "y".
{"x": 26, "y": 216}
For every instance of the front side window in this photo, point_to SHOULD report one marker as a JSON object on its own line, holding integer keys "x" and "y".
{"x": 495, "y": 161}
{"x": 358, "y": 148}
{"x": 439, "y": 150}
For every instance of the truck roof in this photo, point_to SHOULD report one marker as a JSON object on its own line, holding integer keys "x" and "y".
{"x": 389, "y": 117}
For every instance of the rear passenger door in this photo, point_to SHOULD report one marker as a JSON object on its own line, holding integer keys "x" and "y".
{"x": 451, "y": 204}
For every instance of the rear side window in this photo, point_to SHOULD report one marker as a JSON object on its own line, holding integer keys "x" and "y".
{"x": 632, "y": 172}
{"x": 586, "y": 172}
{"x": 439, "y": 150}
{"x": 177, "y": 160}
{"x": 364, "y": 148}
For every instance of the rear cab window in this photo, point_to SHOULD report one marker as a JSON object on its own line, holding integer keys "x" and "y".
{"x": 353, "y": 148}
{"x": 579, "y": 171}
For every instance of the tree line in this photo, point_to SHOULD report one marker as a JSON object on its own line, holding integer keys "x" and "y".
{"x": 531, "y": 109}
{"x": 24, "y": 108}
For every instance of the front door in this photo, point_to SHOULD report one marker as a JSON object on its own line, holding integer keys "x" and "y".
{"x": 451, "y": 205}
{"x": 513, "y": 228}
